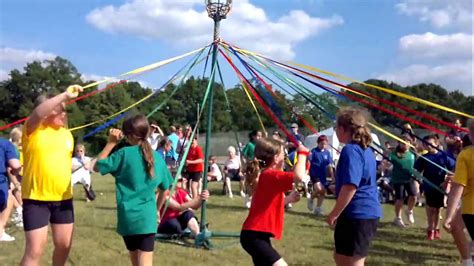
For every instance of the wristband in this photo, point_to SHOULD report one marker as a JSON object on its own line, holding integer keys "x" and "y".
{"x": 305, "y": 153}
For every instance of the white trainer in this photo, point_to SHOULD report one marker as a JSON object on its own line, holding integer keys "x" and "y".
{"x": 6, "y": 237}
{"x": 399, "y": 222}
{"x": 411, "y": 217}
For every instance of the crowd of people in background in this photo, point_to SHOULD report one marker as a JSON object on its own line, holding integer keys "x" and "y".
{"x": 40, "y": 164}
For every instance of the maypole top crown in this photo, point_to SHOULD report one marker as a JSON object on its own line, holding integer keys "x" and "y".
{"x": 218, "y": 9}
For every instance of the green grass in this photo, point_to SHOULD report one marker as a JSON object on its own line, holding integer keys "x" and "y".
{"x": 307, "y": 240}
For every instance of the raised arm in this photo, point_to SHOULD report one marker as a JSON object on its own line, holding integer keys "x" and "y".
{"x": 300, "y": 168}
{"x": 115, "y": 135}
{"x": 43, "y": 110}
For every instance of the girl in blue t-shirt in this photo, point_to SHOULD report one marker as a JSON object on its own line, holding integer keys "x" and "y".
{"x": 357, "y": 209}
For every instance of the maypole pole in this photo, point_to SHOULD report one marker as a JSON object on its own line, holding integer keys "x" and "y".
{"x": 217, "y": 10}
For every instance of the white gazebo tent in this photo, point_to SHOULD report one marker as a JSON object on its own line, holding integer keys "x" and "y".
{"x": 311, "y": 142}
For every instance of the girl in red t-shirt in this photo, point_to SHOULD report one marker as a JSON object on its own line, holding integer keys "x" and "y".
{"x": 180, "y": 212}
{"x": 269, "y": 182}
{"x": 195, "y": 167}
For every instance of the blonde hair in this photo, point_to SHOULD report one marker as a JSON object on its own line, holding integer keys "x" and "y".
{"x": 231, "y": 149}
{"x": 80, "y": 146}
{"x": 265, "y": 151}
{"x": 15, "y": 135}
{"x": 355, "y": 120}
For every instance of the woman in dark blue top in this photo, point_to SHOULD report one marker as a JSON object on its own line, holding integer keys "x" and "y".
{"x": 357, "y": 208}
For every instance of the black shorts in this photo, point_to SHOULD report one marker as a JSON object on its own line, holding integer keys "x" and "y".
{"x": 234, "y": 175}
{"x": 354, "y": 236}
{"x": 469, "y": 222}
{"x": 195, "y": 177}
{"x": 144, "y": 242}
{"x": 434, "y": 198}
{"x": 323, "y": 181}
{"x": 403, "y": 190}
{"x": 37, "y": 214}
{"x": 258, "y": 245}
{"x": 176, "y": 225}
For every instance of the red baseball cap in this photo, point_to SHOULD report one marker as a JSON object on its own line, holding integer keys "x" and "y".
{"x": 322, "y": 138}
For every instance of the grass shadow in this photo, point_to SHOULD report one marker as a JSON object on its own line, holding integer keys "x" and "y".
{"x": 232, "y": 208}
{"x": 105, "y": 208}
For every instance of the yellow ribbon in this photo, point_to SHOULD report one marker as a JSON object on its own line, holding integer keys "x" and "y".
{"x": 119, "y": 112}
{"x": 254, "y": 107}
{"x": 393, "y": 92}
{"x": 145, "y": 68}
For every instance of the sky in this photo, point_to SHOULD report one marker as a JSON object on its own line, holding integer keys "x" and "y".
{"x": 404, "y": 41}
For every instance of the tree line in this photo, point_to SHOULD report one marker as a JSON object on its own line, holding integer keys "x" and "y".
{"x": 18, "y": 93}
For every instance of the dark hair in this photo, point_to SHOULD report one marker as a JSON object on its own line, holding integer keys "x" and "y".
{"x": 428, "y": 137}
{"x": 163, "y": 142}
{"x": 138, "y": 127}
{"x": 401, "y": 150}
{"x": 253, "y": 134}
{"x": 322, "y": 138}
{"x": 265, "y": 151}
{"x": 355, "y": 121}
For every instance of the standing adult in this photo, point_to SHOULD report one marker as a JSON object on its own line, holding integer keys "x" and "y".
{"x": 46, "y": 187}
{"x": 299, "y": 137}
{"x": 155, "y": 135}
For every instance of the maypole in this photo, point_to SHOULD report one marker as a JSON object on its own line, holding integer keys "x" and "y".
{"x": 217, "y": 10}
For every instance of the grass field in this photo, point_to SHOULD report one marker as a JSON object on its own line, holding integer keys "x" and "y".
{"x": 307, "y": 240}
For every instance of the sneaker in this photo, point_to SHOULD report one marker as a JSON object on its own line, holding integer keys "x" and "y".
{"x": 411, "y": 217}
{"x": 19, "y": 224}
{"x": 247, "y": 202}
{"x": 318, "y": 211}
{"x": 231, "y": 195}
{"x": 430, "y": 235}
{"x": 399, "y": 222}
{"x": 16, "y": 218}
{"x": 242, "y": 194}
{"x": 6, "y": 237}
{"x": 437, "y": 234}
{"x": 310, "y": 204}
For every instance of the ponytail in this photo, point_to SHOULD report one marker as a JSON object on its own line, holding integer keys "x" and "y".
{"x": 147, "y": 153}
{"x": 362, "y": 136}
{"x": 252, "y": 172}
{"x": 355, "y": 120}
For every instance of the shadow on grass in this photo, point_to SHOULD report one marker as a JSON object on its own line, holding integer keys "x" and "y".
{"x": 105, "y": 208}
{"x": 232, "y": 208}
{"x": 408, "y": 246}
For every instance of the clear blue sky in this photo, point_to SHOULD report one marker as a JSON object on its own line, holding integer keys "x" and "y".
{"x": 358, "y": 38}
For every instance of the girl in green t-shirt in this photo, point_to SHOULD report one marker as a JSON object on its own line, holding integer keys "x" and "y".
{"x": 138, "y": 171}
{"x": 403, "y": 161}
